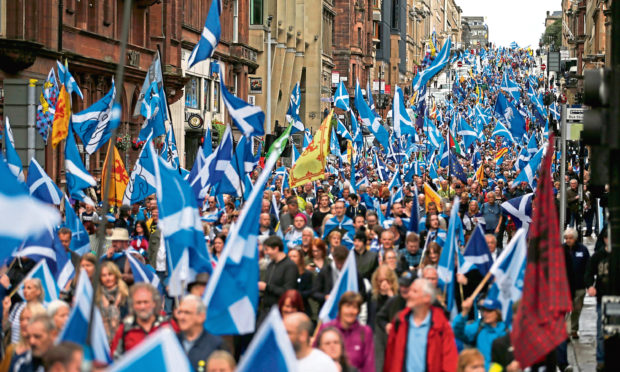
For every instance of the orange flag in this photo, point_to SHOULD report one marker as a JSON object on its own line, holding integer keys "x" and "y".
{"x": 119, "y": 177}
{"x": 60, "y": 125}
{"x": 431, "y": 196}
{"x": 311, "y": 163}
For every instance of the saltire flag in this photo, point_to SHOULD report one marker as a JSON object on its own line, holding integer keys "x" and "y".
{"x": 514, "y": 45}
{"x": 159, "y": 352}
{"x": 382, "y": 170}
{"x": 431, "y": 196}
{"x": 508, "y": 271}
{"x": 522, "y": 159}
{"x": 231, "y": 302}
{"x": 270, "y": 349}
{"x": 41, "y": 185}
{"x": 18, "y": 208}
{"x": 528, "y": 173}
{"x": 423, "y": 77}
{"x": 76, "y": 174}
{"x": 143, "y": 273}
{"x": 234, "y": 178}
{"x": 311, "y": 164}
{"x": 210, "y": 36}
{"x": 169, "y": 151}
{"x": 198, "y": 176}
{"x": 506, "y": 110}
{"x": 42, "y": 272}
{"x": 308, "y": 137}
{"x": 356, "y": 132}
{"x": 80, "y": 241}
{"x": 292, "y": 114}
{"x": 510, "y": 87}
{"x": 153, "y": 74}
{"x": 539, "y": 327}
{"x": 12, "y": 157}
{"x": 248, "y": 118}
{"x": 446, "y": 264}
{"x": 347, "y": 281}
{"x": 67, "y": 79}
{"x": 118, "y": 178}
{"x": 369, "y": 119}
{"x": 154, "y": 110}
{"x": 432, "y": 133}
{"x": 142, "y": 180}
{"x": 78, "y": 324}
{"x": 468, "y": 133}
{"x": 180, "y": 225}
{"x": 94, "y": 125}
{"x": 214, "y": 167}
{"x": 502, "y": 131}
{"x": 477, "y": 254}
{"x": 554, "y": 110}
{"x": 520, "y": 209}
{"x": 341, "y": 97}
{"x": 532, "y": 146}
{"x": 402, "y": 123}
{"x": 342, "y": 131}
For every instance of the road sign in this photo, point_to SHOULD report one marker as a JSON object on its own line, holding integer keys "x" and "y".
{"x": 543, "y": 67}
{"x": 459, "y": 64}
{"x": 574, "y": 114}
{"x": 553, "y": 60}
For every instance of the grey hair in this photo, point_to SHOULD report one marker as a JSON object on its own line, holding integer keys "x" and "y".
{"x": 46, "y": 320}
{"x": 56, "y": 305}
{"x": 201, "y": 308}
{"x": 571, "y": 231}
{"x": 427, "y": 288}
{"x": 145, "y": 286}
{"x": 428, "y": 268}
{"x": 308, "y": 228}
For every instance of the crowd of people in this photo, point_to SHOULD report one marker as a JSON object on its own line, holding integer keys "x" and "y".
{"x": 397, "y": 321}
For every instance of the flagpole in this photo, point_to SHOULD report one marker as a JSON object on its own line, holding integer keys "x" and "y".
{"x": 120, "y": 71}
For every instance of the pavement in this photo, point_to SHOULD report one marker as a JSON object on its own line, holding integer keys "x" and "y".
{"x": 582, "y": 352}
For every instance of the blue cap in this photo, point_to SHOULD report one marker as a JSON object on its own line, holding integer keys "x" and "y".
{"x": 490, "y": 304}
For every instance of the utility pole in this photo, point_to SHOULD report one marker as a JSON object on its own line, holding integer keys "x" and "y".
{"x": 268, "y": 114}
{"x": 32, "y": 86}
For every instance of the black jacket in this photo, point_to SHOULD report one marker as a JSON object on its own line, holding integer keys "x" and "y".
{"x": 279, "y": 276}
{"x": 360, "y": 210}
{"x": 204, "y": 345}
{"x": 367, "y": 263}
{"x": 323, "y": 284}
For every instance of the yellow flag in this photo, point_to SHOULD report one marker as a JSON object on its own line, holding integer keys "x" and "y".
{"x": 311, "y": 163}
{"x": 431, "y": 196}
{"x": 60, "y": 125}
{"x": 119, "y": 177}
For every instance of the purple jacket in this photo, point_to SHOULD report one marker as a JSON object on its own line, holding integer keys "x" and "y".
{"x": 358, "y": 345}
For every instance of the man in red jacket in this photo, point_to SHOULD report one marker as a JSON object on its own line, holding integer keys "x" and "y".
{"x": 421, "y": 338}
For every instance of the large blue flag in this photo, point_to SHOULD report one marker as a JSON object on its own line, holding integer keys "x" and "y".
{"x": 477, "y": 254}
{"x": 231, "y": 302}
{"x": 270, "y": 349}
{"x": 94, "y": 125}
{"x": 502, "y": 131}
{"x": 76, "y": 174}
{"x": 292, "y": 114}
{"x": 510, "y": 87}
{"x": 370, "y": 120}
{"x": 142, "y": 180}
{"x": 341, "y": 98}
{"x": 12, "y": 157}
{"x": 41, "y": 185}
{"x": 423, "y": 77}
{"x": 248, "y": 118}
{"x": 65, "y": 77}
{"x": 80, "y": 241}
{"x": 347, "y": 281}
{"x": 520, "y": 209}
{"x": 210, "y": 36}
{"x": 154, "y": 109}
{"x": 528, "y": 173}
{"x": 402, "y": 122}
{"x": 446, "y": 264}
{"x": 143, "y": 273}
{"x": 18, "y": 208}
{"x": 169, "y": 151}
{"x": 468, "y": 133}
{"x": 77, "y": 326}
{"x": 509, "y": 113}
{"x": 42, "y": 272}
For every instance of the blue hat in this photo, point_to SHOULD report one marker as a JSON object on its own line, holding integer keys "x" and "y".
{"x": 490, "y": 304}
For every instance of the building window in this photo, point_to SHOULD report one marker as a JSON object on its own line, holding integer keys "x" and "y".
{"x": 236, "y": 21}
{"x": 192, "y": 93}
{"x": 207, "y": 95}
{"x": 216, "y": 97}
{"x": 395, "y": 13}
{"x": 353, "y": 73}
{"x": 359, "y": 36}
{"x": 256, "y": 12}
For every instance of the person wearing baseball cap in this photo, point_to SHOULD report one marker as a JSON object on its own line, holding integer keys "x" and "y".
{"x": 481, "y": 332}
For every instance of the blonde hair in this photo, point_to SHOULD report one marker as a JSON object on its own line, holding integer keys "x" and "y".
{"x": 467, "y": 357}
{"x": 224, "y": 356}
{"x": 122, "y": 286}
{"x": 390, "y": 276}
{"x": 37, "y": 283}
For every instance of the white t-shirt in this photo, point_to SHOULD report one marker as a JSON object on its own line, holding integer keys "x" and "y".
{"x": 316, "y": 361}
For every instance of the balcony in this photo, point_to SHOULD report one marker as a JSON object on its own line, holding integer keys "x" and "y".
{"x": 376, "y": 15}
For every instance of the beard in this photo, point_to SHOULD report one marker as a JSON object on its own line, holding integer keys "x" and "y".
{"x": 144, "y": 314}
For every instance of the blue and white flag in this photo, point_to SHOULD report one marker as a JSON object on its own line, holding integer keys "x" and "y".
{"x": 433, "y": 134}
{"x": 94, "y": 125}
{"x": 341, "y": 97}
{"x": 154, "y": 110}
{"x": 401, "y": 121}
{"x": 12, "y": 157}
{"x": 18, "y": 208}
{"x": 510, "y": 87}
{"x": 347, "y": 281}
{"x": 292, "y": 114}
{"x": 80, "y": 241}
{"x": 509, "y": 113}
{"x": 42, "y": 272}
{"x": 342, "y": 131}
{"x": 477, "y": 254}
{"x": 77, "y": 325}
{"x": 65, "y": 77}
{"x": 502, "y": 131}
{"x": 514, "y": 45}
{"x": 196, "y": 179}
{"x": 532, "y": 146}
{"x": 142, "y": 180}
{"x": 248, "y": 118}
{"x": 446, "y": 265}
{"x": 307, "y": 139}
{"x": 382, "y": 171}
{"x": 270, "y": 349}
{"x": 153, "y": 74}
{"x": 468, "y": 133}
{"x": 143, "y": 273}
{"x": 509, "y": 271}
{"x": 41, "y": 185}
{"x": 181, "y": 227}
{"x": 169, "y": 151}
{"x": 520, "y": 209}
{"x": 370, "y": 120}
{"x": 231, "y": 302}
{"x": 554, "y": 110}
{"x": 220, "y": 159}
{"x": 423, "y": 77}
{"x": 76, "y": 174}
{"x": 210, "y": 36}
{"x": 356, "y": 131}
{"x": 159, "y": 352}
{"x": 528, "y": 173}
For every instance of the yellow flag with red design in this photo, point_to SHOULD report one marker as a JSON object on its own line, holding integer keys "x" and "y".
{"x": 60, "y": 125}
{"x": 311, "y": 163}
{"x": 119, "y": 177}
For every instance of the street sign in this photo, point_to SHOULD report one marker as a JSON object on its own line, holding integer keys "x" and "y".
{"x": 553, "y": 60}
{"x": 459, "y": 64}
{"x": 543, "y": 67}
{"x": 335, "y": 78}
{"x": 574, "y": 114}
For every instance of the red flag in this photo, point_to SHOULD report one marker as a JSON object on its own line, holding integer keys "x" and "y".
{"x": 539, "y": 325}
